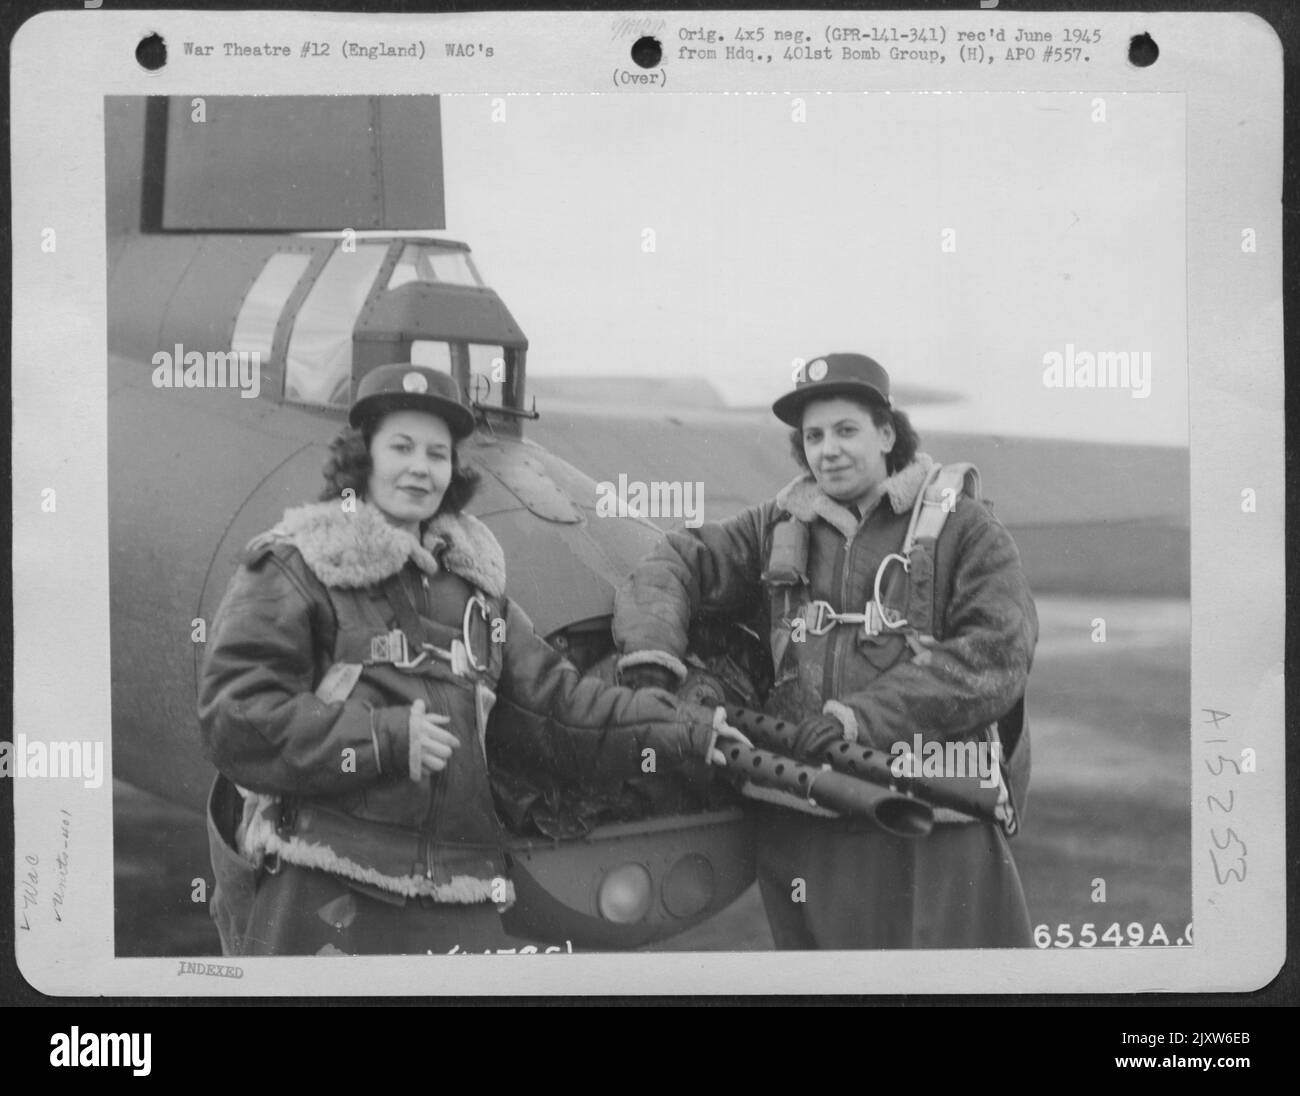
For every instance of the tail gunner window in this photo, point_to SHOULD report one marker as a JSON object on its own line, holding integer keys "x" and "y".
{"x": 318, "y": 368}
{"x": 479, "y": 369}
{"x": 487, "y": 374}
{"x": 431, "y": 354}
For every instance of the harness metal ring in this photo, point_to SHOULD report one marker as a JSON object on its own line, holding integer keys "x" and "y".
{"x": 880, "y": 607}
{"x": 481, "y": 602}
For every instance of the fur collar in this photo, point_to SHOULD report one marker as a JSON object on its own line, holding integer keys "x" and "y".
{"x": 353, "y": 549}
{"x": 803, "y": 499}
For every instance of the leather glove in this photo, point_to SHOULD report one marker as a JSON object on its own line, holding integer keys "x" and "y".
{"x": 649, "y": 676}
{"x": 816, "y": 735}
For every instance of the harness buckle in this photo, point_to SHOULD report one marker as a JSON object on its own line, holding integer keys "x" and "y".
{"x": 874, "y": 623}
{"x": 819, "y": 618}
{"x": 390, "y": 647}
{"x": 394, "y": 649}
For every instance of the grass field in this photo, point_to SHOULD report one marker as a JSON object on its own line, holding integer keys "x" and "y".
{"x": 1112, "y": 765}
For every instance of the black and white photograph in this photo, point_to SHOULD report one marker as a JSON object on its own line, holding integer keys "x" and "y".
{"x": 656, "y": 520}
{"x": 496, "y": 457}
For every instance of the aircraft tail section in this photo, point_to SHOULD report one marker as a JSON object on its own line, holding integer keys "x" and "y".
{"x": 280, "y": 164}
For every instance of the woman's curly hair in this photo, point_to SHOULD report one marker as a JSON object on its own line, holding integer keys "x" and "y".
{"x": 906, "y": 439}
{"x": 348, "y": 467}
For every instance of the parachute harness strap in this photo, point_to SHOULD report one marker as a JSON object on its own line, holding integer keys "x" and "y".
{"x": 929, "y": 514}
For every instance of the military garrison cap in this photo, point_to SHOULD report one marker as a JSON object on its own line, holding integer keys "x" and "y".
{"x": 408, "y": 387}
{"x": 853, "y": 375}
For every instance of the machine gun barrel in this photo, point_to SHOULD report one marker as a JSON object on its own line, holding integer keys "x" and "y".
{"x": 898, "y": 814}
{"x": 967, "y": 794}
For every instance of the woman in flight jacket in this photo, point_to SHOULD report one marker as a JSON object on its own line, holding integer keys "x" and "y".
{"x": 834, "y": 883}
{"x": 345, "y": 693}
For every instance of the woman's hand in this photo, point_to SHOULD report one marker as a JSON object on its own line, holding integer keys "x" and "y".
{"x": 431, "y": 742}
{"x": 724, "y": 730}
{"x": 815, "y": 735}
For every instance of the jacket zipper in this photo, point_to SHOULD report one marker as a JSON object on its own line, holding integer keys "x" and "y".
{"x": 829, "y": 672}
{"x": 430, "y": 818}
{"x": 438, "y": 792}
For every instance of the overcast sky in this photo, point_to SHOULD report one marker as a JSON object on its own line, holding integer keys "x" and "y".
{"x": 777, "y": 239}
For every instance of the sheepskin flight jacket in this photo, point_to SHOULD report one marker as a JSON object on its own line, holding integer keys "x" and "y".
{"x": 333, "y": 783}
{"x": 984, "y": 618}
